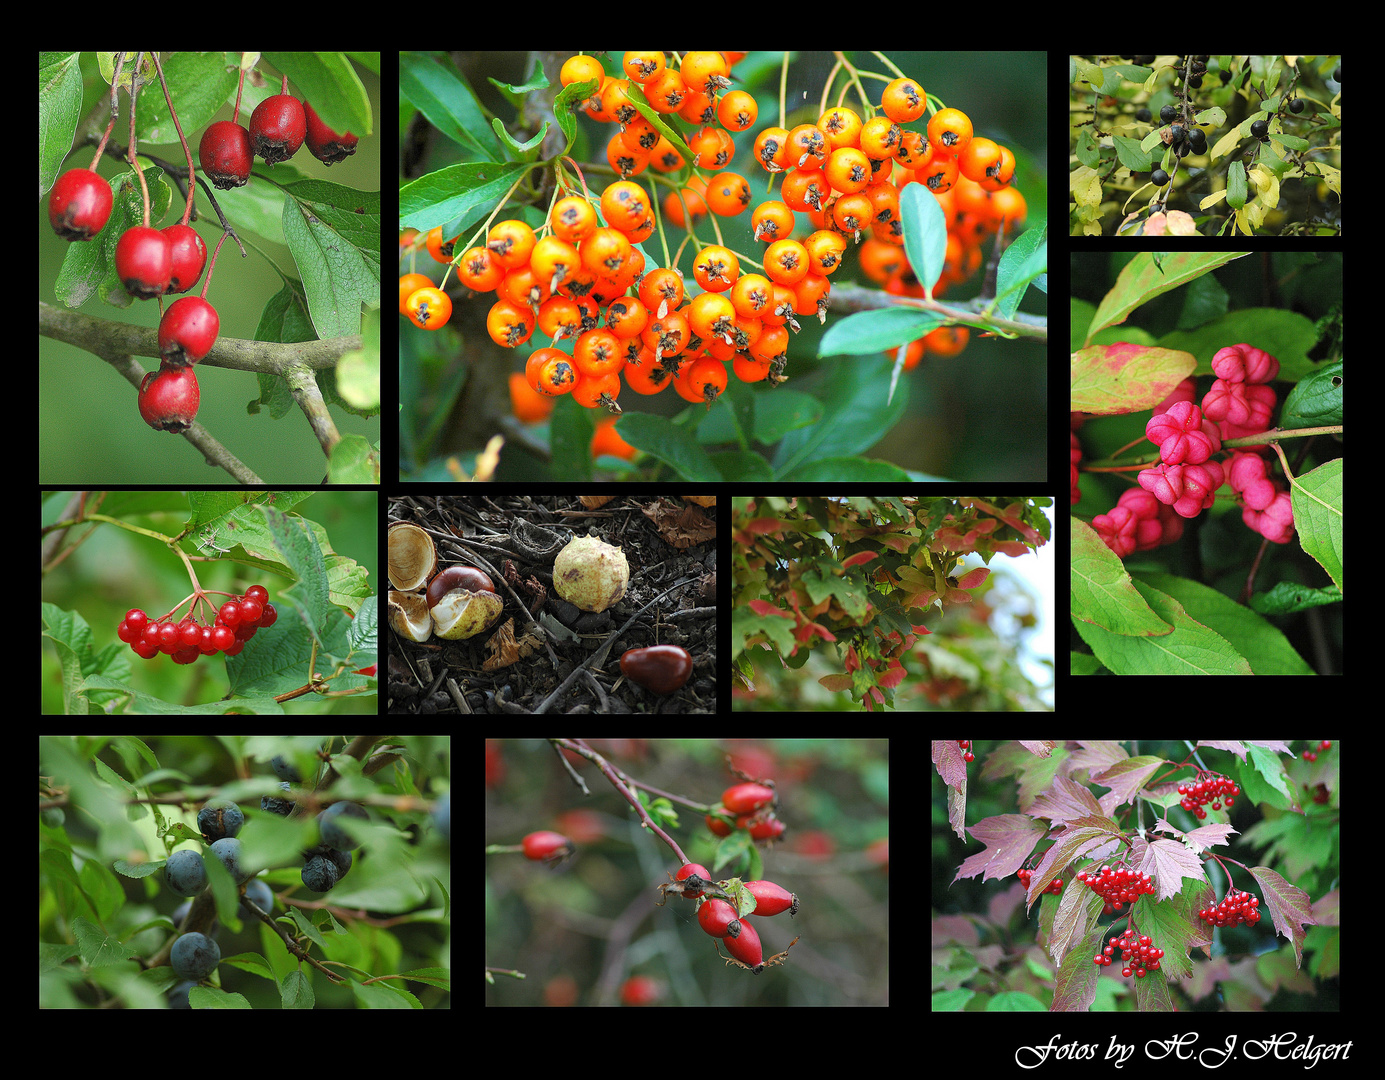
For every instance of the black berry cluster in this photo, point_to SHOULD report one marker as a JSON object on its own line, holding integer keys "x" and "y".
{"x": 1208, "y": 789}
{"x": 1117, "y": 885}
{"x": 186, "y": 640}
{"x": 1237, "y": 908}
{"x": 1139, "y": 955}
{"x": 1055, "y": 886}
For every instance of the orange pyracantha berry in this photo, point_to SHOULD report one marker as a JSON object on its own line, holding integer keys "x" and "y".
{"x": 949, "y": 130}
{"x": 727, "y": 194}
{"x": 429, "y": 308}
{"x": 903, "y": 101}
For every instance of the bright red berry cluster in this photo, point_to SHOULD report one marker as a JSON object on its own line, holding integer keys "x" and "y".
{"x": 965, "y": 744}
{"x": 1055, "y": 886}
{"x": 1139, "y": 956}
{"x": 1117, "y": 885}
{"x": 752, "y": 806}
{"x": 1208, "y": 789}
{"x": 1238, "y": 907}
{"x": 187, "y": 639}
{"x": 1312, "y": 755}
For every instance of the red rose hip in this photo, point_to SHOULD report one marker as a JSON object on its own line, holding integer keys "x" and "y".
{"x": 746, "y": 798}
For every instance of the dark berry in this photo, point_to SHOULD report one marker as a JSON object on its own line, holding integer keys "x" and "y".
{"x": 1259, "y": 129}
{"x": 1296, "y": 106}
{"x": 1160, "y": 177}
{"x": 1167, "y": 113}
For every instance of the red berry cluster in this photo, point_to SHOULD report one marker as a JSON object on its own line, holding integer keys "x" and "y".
{"x": 752, "y": 806}
{"x": 1140, "y": 957}
{"x": 1117, "y": 885}
{"x": 1312, "y": 755}
{"x": 186, "y": 640}
{"x": 965, "y": 744}
{"x": 1208, "y": 789}
{"x": 1055, "y": 886}
{"x": 1237, "y": 908}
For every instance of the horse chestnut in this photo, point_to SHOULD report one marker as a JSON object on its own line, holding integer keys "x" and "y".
{"x": 590, "y": 574}
{"x": 463, "y": 603}
{"x": 659, "y": 668}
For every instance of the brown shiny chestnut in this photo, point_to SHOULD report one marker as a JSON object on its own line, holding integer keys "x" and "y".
{"x": 661, "y": 669}
{"x": 458, "y": 577}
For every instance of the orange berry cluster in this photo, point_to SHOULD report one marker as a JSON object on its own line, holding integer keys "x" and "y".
{"x": 587, "y": 280}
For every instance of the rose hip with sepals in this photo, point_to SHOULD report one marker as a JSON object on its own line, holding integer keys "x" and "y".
{"x": 747, "y": 948}
{"x": 771, "y": 899}
{"x": 746, "y": 798}
{"x": 550, "y": 846}
{"x": 718, "y": 918}
{"x": 692, "y": 870}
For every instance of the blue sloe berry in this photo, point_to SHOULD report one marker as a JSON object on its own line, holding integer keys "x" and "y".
{"x": 283, "y": 769}
{"x": 185, "y": 873}
{"x": 261, "y": 895}
{"x": 231, "y": 856}
{"x": 320, "y": 873}
{"x": 283, "y": 807}
{"x": 216, "y": 821}
{"x": 194, "y": 956}
{"x": 333, "y": 835}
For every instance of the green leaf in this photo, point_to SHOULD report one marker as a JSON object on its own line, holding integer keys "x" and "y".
{"x": 1236, "y": 185}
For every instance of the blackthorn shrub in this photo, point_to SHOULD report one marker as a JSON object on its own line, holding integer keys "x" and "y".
{"x": 185, "y": 873}
{"x": 194, "y": 956}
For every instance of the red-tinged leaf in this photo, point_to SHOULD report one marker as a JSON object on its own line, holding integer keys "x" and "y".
{"x": 764, "y": 607}
{"x": 859, "y": 558}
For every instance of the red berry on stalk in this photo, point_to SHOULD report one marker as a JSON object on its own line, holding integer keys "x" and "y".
{"x": 189, "y": 257}
{"x": 168, "y": 399}
{"x": 546, "y": 845}
{"x": 277, "y": 128}
{"x": 745, "y": 798}
{"x": 79, "y": 205}
{"x": 324, "y": 143}
{"x": 144, "y": 262}
{"x": 188, "y": 331}
{"x": 225, "y": 154}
